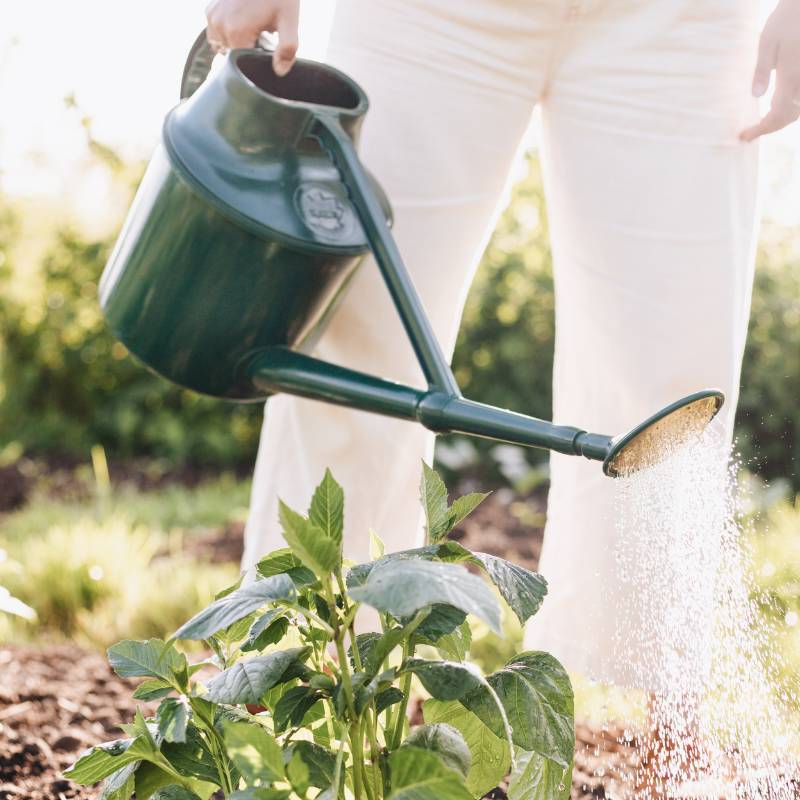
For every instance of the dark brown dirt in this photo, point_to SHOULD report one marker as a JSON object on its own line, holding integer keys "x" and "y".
{"x": 54, "y": 703}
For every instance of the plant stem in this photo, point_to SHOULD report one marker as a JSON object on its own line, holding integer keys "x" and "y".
{"x": 310, "y": 615}
{"x": 405, "y": 688}
{"x": 357, "y": 746}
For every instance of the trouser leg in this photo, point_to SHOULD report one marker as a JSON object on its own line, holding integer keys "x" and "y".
{"x": 652, "y": 211}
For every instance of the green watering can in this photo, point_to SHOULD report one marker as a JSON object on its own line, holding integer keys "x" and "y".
{"x": 251, "y": 219}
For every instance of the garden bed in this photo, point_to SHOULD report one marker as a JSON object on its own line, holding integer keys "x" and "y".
{"x": 57, "y": 701}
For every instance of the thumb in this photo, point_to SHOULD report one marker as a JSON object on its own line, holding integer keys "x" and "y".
{"x": 767, "y": 54}
{"x": 285, "y": 52}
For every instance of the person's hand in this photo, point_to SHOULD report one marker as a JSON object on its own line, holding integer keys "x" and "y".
{"x": 779, "y": 50}
{"x": 238, "y": 23}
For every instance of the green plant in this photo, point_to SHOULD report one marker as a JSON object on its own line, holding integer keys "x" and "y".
{"x": 296, "y": 704}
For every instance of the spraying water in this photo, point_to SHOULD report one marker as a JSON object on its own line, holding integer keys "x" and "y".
{"x": 718, "y": 730}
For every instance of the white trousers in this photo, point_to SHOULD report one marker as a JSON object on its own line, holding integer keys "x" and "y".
{"x": 651, "y": 202}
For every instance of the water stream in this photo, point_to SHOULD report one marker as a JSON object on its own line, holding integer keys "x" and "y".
{"x": 702, "y": 643}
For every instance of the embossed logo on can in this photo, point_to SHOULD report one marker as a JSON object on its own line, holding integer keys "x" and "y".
{"x": 324, "y": 211}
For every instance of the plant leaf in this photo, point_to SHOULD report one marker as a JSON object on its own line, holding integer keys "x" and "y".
{"x": 433, "y": 494}
{"x": 538, "y": 778}
{"x": 248, "y": 680}
{"x": 445, "y": 680}
{"x": 442, "y": 620}
{"x": 192, "y": 758}
{"x": 261, "y": 793}
{"x": 120, "y": 785}
{"x": 453, "y": 646}
{"x": 327, "y": 508}
{"x": 402, "y": 587}
{"x": 536, "y": 693}
{"x": 238, "y": 604}
{"x": 319, "y": 761}
{"x": 103, "y": 760}
{"x": 463, "y": 506}
{"x": 316, "y": 551}
{"x": 521, "y": 588}
{"x": 388, "y": 697}
{"x": 293, "y": 705}
{"x": 153, "y": 689}
{"x": 490, "y": 754}
{"x": 446, "y": 550}
{"x": 444, "y": 740}
{"x": 284, "y": 561}
{"x": 172, "y": 717}
{"x": 268, "y": 629}
{"x": 377, "y": 549}
{"x": 421, "y": 775}
{"x": 151, "y": 659}
{"x": 254, "y": 751}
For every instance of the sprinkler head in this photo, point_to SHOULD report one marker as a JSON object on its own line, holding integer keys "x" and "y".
{"x": 658, "y": 437}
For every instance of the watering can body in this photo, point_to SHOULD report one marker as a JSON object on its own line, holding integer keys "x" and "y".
{"x": 251, "y": 219}
{"x": 242, "y": 235}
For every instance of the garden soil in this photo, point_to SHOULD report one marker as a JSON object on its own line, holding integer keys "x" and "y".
{"x": 56, "y": 701}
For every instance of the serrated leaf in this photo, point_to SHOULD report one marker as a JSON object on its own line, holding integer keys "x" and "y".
{"x": 445, "y": 680}
{"x": 320, "y": 762}
{"x": 521, "y": 588}
{"x": 254, "y": 751}
{"x": 491, "y": 756}
{"x": 442, "y": 620}
{"x": 99, "y": 762}
{"x": 316, "y": 551}
{"x": 453, "y": 646}
{"x": 402, "y": 587}
{"x": 120, "y": 785}
{"x": 462, "y": 507}
{"x": 365, "y": 642}
{"x": 388, "y": 697}
{"x": 192, "y": 758}
{"x": 538, "y": 778}
{"x": 153, "y": 658}
{"x": 327, "y": 508}
{"x": 377, "y": 549}
{"x": 293, "y": 706}
{"x": 248, "y": 679}
{"x": 284, "y": 561}
{"x": 153, "y": 689}
{"x": 172, "y": 717}
{"x": 421, "y": 775}
{"x": 224, "y": 612}
{"x": 536, "y": 693}
{"x": 444, "y": 740}
{"x": 268, "y": 629}
{"x": 446, "y": 550}
{"x": 433, "y": 494}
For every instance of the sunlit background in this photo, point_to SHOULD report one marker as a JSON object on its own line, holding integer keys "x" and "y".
{"x": 118, "y": 64}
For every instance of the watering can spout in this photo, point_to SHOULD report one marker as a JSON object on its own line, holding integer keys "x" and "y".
{"x": 279, "y": 369}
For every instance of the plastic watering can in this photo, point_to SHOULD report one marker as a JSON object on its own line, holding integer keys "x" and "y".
{"x": 252, "y": 217}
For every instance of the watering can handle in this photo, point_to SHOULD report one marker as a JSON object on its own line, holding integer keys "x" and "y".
{"x": 201, "y": 56}
{"x": 337, "y": 143}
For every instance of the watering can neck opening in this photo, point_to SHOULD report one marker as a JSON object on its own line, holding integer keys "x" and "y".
{"x": 310, "y": 88}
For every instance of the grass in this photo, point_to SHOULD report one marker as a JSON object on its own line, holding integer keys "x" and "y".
{"x": 116, "y": 567}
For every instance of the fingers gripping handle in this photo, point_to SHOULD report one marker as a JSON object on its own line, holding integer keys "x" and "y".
{"x": 201, "y": 56}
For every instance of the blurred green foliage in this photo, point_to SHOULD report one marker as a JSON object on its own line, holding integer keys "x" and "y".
{"x": 65, "y": 384}
{"x": 127, "y": 564}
